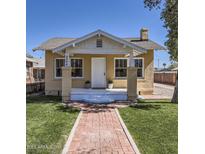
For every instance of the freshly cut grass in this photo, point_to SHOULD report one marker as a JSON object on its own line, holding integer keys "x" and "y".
{"x": 153, "y": 126}
{"x": 48, "y": 124}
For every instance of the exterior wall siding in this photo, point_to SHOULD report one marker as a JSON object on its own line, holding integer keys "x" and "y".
{"x": 53, "y": 86}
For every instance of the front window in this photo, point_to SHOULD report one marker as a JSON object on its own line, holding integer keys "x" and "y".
{"x": 59, "y": 64}
{"x": 121, "y": 68}
{"x": 139, "y": 63}
{"x": 76, "y": 64}
{"x": 77, "y": 67}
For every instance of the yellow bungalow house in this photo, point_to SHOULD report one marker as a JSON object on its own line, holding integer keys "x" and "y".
{"x": 98, "y": 57}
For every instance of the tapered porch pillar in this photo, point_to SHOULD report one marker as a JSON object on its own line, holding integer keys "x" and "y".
{"x": 131, "y": 80}
{"x": 66, "y": 83}
{"x": 66, "y": 79}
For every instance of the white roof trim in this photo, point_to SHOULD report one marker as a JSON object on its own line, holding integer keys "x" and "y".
{"x": 99, "y": 32}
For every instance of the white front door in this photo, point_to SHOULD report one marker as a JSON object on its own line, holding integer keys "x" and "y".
{"x": 98, "y": 71}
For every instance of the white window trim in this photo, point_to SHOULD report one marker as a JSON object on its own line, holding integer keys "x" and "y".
{"x": 114, "y": 67}
{"x": 128, "y": 66}
{"x": 142, "y": 66}
{"x": 70, "y": 59}
{"x": 55, "y": 68}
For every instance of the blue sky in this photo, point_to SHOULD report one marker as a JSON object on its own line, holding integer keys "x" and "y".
{"x": 75, "y": 18}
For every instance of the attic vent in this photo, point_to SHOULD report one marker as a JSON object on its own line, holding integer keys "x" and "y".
{"x": 99, "y": 43}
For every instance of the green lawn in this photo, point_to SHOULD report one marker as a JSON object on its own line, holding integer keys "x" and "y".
{"x": 48, "y": 124}
{"x": 153, "y": 126}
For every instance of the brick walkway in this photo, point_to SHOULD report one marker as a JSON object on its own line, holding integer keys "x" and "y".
{"x": 99, "y": 131}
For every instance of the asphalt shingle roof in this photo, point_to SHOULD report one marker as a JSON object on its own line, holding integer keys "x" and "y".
{"x": 53, "y": 43}
{"x": 149, "y": 44}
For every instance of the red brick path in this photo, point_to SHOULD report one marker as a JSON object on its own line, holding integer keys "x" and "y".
{"x": 99, "y": 131}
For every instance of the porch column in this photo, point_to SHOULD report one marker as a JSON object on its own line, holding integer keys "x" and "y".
{"x": 66, "y": 79}
{"x": 131, "y": 79}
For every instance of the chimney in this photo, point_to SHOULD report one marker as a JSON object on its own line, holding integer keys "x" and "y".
{"x": 144, "y": 34}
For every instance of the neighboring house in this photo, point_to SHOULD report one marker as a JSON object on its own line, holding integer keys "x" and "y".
{"x": 39, "y": 70}
{"x": 35, "y": 69}
{"x": 29, "y": 69}
{"x": 98, "y": 57}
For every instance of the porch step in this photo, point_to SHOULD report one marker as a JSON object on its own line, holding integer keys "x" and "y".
{"x": 98, "y": 96}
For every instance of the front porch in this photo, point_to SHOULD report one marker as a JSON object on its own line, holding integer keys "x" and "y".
{"x": 98, "y": 58}
{"x": 98, "y": 95}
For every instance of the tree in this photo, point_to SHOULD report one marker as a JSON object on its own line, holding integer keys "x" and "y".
{"x": 169, "y": 16}
{"x": 164, "y": 64}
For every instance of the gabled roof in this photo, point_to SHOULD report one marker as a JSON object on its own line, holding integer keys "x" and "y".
{"x": 99, "y": 32}
{"x": 59, "y": 43}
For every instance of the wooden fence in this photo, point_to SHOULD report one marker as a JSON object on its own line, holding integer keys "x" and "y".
{"x": 35, "y": 87}
{"x": 165, "y": 77}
